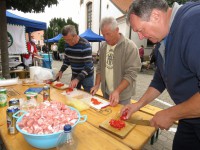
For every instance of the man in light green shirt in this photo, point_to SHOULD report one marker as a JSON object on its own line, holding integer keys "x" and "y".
{"x": 118, "y": 65}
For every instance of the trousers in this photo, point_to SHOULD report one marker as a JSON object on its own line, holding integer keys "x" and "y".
{"x": 187, "y": 136}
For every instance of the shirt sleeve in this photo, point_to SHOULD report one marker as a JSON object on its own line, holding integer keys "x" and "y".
{"x": 157, "y": 81}
{"x": 133, "y": 63}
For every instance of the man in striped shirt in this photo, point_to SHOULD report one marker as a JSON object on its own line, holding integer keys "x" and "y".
{"x": 78, "y": 55}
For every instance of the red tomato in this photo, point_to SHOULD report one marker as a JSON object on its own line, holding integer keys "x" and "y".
{"x": 118, "y": 124}
{"x": 68, "y": 90}
{"x": 59, "y": 84}
{"x": 95, "y": 101}
{"x": 48, "y": 82}
{"x": 124, "y": 114}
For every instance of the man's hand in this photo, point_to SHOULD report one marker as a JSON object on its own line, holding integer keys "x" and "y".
{"x": 74, "y": 83}
{"x": 162, "y": 120}
{"x": 114, "y": 98}
{"x": 130, "y": 109}
{"x": 59, "y": 75}
{"x": 94, "y": 89}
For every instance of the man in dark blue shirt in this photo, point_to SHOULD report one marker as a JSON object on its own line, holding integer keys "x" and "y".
{"x": 78, "y": 55}
{"x": 177, "y": 32}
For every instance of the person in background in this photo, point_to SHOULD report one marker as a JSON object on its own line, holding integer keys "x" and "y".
{"x": 176, "y": 30}
{"x": 38, "y": 47}
{"x": 54, "y": 48}
{"x": 44, "y": 48}
{"x": 32, "y": 51}
{"x": 118, "y": 65}
{"x": 152, "y": 57}
{"x": 141, "y": 52}
{"x": 78, "y": 55}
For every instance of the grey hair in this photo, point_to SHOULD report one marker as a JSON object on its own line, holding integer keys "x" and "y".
{"x": 109, "y": 21}
{"x": 69, "y": 29}
{"x": 143, "y": 8}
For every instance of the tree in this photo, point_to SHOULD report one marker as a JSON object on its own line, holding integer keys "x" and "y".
{"x": 24, "y": 6}
{"x": 61, "y": 45}
{"x": 71, "y": 22}
{"x": 56, "y": 25}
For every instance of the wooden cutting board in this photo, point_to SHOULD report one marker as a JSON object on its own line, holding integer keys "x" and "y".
{"x": 122, "y": 133}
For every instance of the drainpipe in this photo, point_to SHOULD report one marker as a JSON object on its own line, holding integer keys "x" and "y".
{"x": 99, "y": 20}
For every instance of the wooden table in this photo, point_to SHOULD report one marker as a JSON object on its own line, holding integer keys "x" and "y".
{"x": 90, "y": 136}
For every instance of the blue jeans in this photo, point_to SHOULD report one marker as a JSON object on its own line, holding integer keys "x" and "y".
{"x": 87, "y": 83}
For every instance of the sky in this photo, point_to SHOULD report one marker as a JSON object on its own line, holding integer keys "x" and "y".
{"x": 65, "y": 9}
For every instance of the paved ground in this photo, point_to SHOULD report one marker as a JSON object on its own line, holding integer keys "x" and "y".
{"x": 165, "y": 138}
{"x": 144, "y": 78}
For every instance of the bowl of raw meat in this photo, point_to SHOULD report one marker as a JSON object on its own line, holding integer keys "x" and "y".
{"x": 42, "y": 125}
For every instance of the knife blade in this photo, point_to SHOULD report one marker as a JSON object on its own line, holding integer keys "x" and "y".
{"x": 139, "y": 122}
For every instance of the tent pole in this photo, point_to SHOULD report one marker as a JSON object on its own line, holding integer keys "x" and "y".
{"x": 48, "y": 49}
{"x": 99, "y": 20}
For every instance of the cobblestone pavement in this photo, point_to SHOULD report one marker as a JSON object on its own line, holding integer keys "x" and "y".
{"x": 144, "y": 78}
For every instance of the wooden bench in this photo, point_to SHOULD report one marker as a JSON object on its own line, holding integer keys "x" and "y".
{"x": 22, "y": 74}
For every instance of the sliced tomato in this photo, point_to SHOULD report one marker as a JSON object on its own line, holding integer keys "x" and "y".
{"x": 124, "y": 114}
{"x": 49, "y": 82}
{"x": 118, "y": 124}
{"x": 95, "y": 101}
{"x": 59, "y": 84}
{"x": 68, "y": 90}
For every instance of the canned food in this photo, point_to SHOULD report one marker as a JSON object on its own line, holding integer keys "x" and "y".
{"x": 3, "y": 97}
{"x": 14, "y": 102}
{"x": 31, "y": 96}
{"x": 11, "y": 121}
{"x": 46, "y": 93}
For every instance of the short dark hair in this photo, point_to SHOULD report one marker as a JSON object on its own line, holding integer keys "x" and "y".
{"x": 143, "y": 8}
{"x": 69, "y": 29}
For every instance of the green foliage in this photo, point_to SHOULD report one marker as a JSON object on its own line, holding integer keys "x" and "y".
{"x": 61, "y": 45}
{"x": 30, "y": 5}
{"x": 70, "y": 22}
{"x": 56, "y": 25}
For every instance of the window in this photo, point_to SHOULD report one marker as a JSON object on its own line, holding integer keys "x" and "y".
{"x": 89, "y": 15}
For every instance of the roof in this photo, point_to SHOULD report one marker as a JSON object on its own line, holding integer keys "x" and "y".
{"x": 31, "y": 25}
{"x": 122, "y": 5}
{"x": 91, "y": 36}
{"x": 88, "y": 34}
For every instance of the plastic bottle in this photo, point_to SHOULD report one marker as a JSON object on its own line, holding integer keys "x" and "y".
{"x": 66, "y": 140}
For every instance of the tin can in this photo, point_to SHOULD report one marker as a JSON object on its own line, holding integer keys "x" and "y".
{"x": 3, "y": 97}
{"x": 11, "y": 121}
{"x": 46, "y": 93}
{"x": 14, "y": 102}
{"x": 31, "y": 96}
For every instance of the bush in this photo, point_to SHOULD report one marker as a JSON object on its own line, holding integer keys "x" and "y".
{"x": 61, "y": 45}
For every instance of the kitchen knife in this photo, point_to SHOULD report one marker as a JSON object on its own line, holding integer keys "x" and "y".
{"x": 139, "y": 122}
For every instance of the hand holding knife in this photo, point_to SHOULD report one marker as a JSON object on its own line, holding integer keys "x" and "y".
{"x": 133, "y": 121}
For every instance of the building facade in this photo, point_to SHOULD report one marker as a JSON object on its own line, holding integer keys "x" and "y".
{"x": 91, "y": 12}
